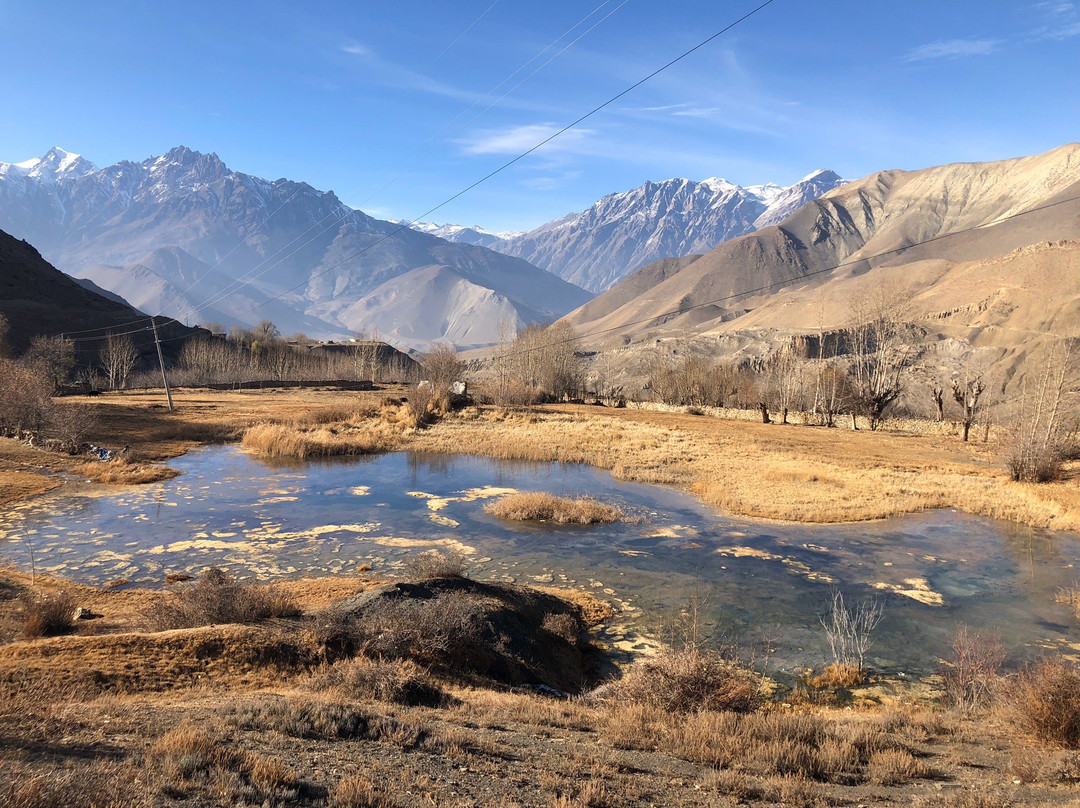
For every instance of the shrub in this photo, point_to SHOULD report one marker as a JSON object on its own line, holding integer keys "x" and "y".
{"x": 397, "y": 681}
{"x": 1047, "y": 702}
{"x": 435, "y": 564}
{"x": 971, "y": 672}
{"x": 46, "y": 615}
{"x": 566, "y": 626}
{"x": 357, "y": 791}
{"x": 892, "y": 767}
{"x": 689, "y": 681}
{"x": 541, "y": 506}
{"x": 217, "y": 597}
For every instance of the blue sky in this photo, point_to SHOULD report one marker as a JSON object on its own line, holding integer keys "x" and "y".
{"x": 398, "y": 106}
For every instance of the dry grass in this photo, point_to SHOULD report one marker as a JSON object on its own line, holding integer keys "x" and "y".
{"x": 684, "y": 682}
{"x": 217, "y": 598}
{"x": 396, "y": 681}
{"x": 120, "y": 472}
{"x": 543, "y": 507}
{"x": 280, "y": 441}
{"x": 839, "y": 675}
{"x": 435, "y": 564}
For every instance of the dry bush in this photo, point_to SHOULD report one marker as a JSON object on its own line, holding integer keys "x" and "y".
{"x": 892, "y": 767}
{"x": 100, "y": 784}
{"x": 544, "y": 507}
{"x": 635, "y": 726}
{"x": 47, "y": 614}
{"x": 566, "y": 626}
{"x": 1046, "y": 702}
{"x": 446, "y": 632}
{"x": 688, "y": 681}
{"x": 791, "y": 791}
{"x": 189, "y": 761}
{"x": 357, "y": 791}
{"x": 432, "y": 564}
{"x": 839, "y": 675}
{"x": 323, "y": 720}
{"x": 971, "y": 673}
{"x": 217, "y": 597}
{"x": 26, "y": 405}
{"x": 973, "y": 797}
{"x": 397, "y": 681}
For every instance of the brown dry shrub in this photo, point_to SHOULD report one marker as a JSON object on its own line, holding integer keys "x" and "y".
{"x": 544, "y": 507}
{"x": 971, "y": 672}
{"x": 838, "y": 675}
{"x": 635, "y": 726}
{"x": 189, "y": 760}
{"x": 302, "y": 718}
{"x": 298, "y": 443}
{"x": 215, "y": 598}
{"x": 973, "y": 797}
{"x": 122, "y": 471}
{"x": 893, "y": 767}
{"x": 435, "y": 564}
{"x": 357, "y": 791}
{"x": 47, "y": 614}
{"x": 397, "y": 681}
{"x": 448, "y": 632}
{"x": 567, "y": 626}
{"x": 100, "y": 784}
{"x": 689, "y": 681}
{"x": 1046, "y": 702}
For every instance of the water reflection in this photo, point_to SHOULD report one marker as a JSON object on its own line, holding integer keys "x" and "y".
{"x": 933, "y": 571}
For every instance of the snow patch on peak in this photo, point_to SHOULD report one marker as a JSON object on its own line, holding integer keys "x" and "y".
{"x": 822, "y": 173}
{"x": 718, "y": 185}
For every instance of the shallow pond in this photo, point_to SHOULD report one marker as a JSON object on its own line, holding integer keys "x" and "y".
{"x": 933, "y": 572}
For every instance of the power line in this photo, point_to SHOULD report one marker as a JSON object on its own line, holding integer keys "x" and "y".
{"x": 525, "y": 153}
{"x": 248, "y": 277}
{"x": 300, "y": 186}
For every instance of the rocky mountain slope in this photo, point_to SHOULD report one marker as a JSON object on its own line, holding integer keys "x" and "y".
{"x": 985, "y": 253}
{"x": 623, "y": 232}
{"x": 185, "y": 233}
{"x": 37, "y": 298}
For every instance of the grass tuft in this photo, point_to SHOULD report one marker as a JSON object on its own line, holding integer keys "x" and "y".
{"x": 543, "y": 507}
{"x": 47, "y": 615}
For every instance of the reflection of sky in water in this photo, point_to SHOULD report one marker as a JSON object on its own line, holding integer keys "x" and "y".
{"x": 934, "y": 571}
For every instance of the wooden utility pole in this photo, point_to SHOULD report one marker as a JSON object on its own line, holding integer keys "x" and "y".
{"x": 161, "y": 361}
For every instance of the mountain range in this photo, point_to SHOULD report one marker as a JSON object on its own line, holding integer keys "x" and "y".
{"x": 623, "y": 232}
{"x": 986, "y": 255}
{"x": 184, "y": 235}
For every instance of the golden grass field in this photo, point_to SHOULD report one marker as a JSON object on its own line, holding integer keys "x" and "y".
{"x": 118, "y": 714}
{"x": 767, "y": 471}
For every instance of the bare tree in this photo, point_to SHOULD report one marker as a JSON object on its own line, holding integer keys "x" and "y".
{"x": 51, "y": 357}
{"x": 785, "y": 375}
{"x": 849, "y": 630}
{"x": 881, "y": 353}
{"x": 967, "y": 394}
{"x": 118, "y": 358}
{"x": 937, "y": 393}
{"x": 442, "y": 367}
{"x": 1036, "y": 450}
{"x": 5, "y": 326}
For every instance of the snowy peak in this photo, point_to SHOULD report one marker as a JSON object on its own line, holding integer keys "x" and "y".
{"x": 55, "y": 164}
{"x": 625, "y": 231}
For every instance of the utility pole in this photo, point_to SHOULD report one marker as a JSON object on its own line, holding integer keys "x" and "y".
{"x": 161, "y": 361}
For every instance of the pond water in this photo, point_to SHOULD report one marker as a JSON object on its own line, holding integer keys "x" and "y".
{"x": 933, "y": 572}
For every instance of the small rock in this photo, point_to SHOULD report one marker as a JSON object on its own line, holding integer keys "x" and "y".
{"x": 82, "y": 613}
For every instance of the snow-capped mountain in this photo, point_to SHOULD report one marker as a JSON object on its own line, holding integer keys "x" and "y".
{"x": 623, "y": 232}
{"x": 460, "y": 234}
{"x": 184, "y": 235}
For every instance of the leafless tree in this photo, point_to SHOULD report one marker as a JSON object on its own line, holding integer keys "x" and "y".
{"x": 966, "y": 394}
{"x": 1037, "y": 445}
{"x": 937, "y": 393}
{"x": 51, "y": 357}
{"x": 881, "y": 352}
{"x": 118, "y": 358}
{"x": 442, "y": 367}
{"x": 849, "y": 631}
{"x": 785, "y": 380}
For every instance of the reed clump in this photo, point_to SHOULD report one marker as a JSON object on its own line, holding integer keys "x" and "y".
{"x": 540, "y": 506}
{"x": 370, "y": 436}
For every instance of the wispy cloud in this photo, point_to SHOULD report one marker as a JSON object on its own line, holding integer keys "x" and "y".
{"x": 514, "y": 140}
{"x": 952, "y": 49}
{"x": 354, "y": 49}
{"x": 1061, "y": 20}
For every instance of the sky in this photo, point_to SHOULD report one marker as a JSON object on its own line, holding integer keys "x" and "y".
{"x": 397, "y": 107}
